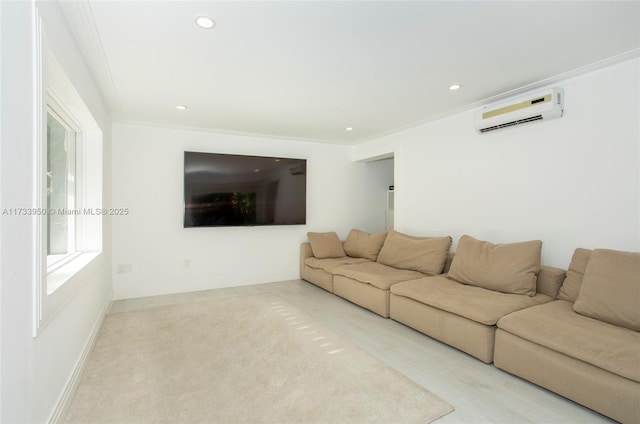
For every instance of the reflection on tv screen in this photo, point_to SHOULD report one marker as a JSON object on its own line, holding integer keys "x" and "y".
{"x": 223, "y": 209}
{"x": 237, "y": 190}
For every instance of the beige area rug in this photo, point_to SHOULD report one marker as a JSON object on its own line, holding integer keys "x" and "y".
{"x": 254, "y": 359}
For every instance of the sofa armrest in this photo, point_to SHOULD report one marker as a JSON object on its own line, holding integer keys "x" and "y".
{"x": 549, "y": 280}
{"x": 305, "y": 252}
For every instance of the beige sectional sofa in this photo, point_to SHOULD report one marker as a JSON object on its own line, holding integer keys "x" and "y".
{"x": 364, "y": 267}
{"x": 485, "y": 283}
{"x": 585, "y": 345}
{"x": 575, "y": 333}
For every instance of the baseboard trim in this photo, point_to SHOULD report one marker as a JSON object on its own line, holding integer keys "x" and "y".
{"x": 63, "y": 404}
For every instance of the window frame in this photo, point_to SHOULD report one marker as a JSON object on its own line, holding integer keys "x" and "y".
{"x": 56, "y": 285}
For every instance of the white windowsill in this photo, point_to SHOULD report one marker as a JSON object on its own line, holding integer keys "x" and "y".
{"x": 61, "y": 274}
{"x": 54, "y": 262}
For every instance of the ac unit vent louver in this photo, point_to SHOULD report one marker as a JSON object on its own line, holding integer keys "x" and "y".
{"x": 540, "y": 106}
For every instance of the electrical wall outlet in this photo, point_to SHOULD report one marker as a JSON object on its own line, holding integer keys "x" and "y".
{"x": 125, "y": 268}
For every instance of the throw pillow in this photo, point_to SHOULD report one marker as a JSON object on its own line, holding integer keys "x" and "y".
{"x": 508, "y": 267}
{"x": 360, "y": 244}
{"x": 610, "y": 289}
{"x": 424, "y": 254}
{"x": 326, "y": 245}
{"x": 572, "y": 283}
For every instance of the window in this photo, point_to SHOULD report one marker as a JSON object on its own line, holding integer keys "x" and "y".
{"x": 68, "y": 186}
{"x": 61, "y": 189}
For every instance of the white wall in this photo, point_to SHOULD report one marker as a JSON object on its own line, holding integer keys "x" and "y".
{"x": 148, "y": 179}
{"x": 35, "y": 371}
{"x": 571, "y": 182}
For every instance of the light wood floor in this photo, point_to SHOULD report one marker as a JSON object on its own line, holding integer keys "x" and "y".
{"x": 479, "y": 392}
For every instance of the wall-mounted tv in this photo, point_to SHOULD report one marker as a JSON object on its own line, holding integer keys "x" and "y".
{"x": 238, "y": 190}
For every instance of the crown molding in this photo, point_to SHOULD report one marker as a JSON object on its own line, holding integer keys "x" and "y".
{"x": 605, "y": 63}
{"x": 81, "y": 21}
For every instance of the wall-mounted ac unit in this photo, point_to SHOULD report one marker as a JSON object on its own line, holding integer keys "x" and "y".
{"x": 547, "y": 104}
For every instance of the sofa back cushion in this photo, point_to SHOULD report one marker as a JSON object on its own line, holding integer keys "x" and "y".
{"x": 572, "y": 283}
{"x": 424, "y": 254}
{"x": 326, "y": 245}
{"x": 610, "y": 289}
{"x": 508, "y": 268}
{"x": 360, "y": 244}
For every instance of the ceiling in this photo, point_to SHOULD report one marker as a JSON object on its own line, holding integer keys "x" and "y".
{"x": 304, "y": 70}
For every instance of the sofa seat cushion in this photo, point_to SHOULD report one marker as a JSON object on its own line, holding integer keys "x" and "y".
{"x": 330, "y": 264}
{"x": 558, "y": 327}
{"x": 471, "y": 302}
{"x": 376, "y": 274}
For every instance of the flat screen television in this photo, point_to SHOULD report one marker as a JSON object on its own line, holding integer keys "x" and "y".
{"x": 237, "y": 190}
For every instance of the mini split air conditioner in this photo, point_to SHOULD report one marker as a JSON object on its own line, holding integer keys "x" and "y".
{"x": 528, "y": 108}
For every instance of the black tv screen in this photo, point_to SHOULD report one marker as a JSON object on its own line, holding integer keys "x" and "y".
{"x": 237, "y": 190}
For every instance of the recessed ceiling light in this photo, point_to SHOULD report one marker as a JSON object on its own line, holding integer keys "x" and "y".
{"x": 205, "y": 22}
{"x": 349, "y": 129}
{"x": 181, "y": 107}
{"x": 454, "y": 87}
